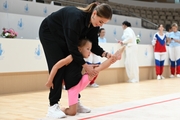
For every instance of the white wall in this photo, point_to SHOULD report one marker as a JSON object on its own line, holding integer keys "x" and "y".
{"x": 27, "y": 27}
{"x": 113, "y": 31}
{"x": 43, "y": 10}
{"x": 119, "y": 19}
{"x": 27, "y": 7}
{"x": 17, "y": 55}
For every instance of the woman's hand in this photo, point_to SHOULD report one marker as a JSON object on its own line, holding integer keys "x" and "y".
{"x": 90, "y": 70}
{"x": 120, "y": 42}
{"x": 113, "y": 58}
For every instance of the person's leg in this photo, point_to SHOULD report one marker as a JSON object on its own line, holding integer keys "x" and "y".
{"x": 129, "y": 63}
{"x": 177, "y": 54}
{"x": 53, "y": 54}
{"x": 162, "y": 59}
{"x": 73, "y": 95}
{"x": 72, "y": 77}
{"x": 158, "y": 65}
{"x": 172, "y": 60}
{"x": 135, "y": 65}
{"x": 92, "y": 83}
{"x": 95, "y": 61}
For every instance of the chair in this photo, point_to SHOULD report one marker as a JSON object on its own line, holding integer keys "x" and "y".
{"x": 161, "y": 13}
{"x": 156, "y": 17}
{"x": 148, "y": 12}
{"x": 155, "y": 21}
{"x": 164, "y": 9}
{"x": 161, "y": 22}
{"x": 168, "y": 22}
{"x": 143, "y": 15}
{"x": 155, "y": 12}
{"x": 169, "y": 18}
{"x": 162, "y": 17}
{"x": 168, "y": 13}
{"x": 177, "y": 18}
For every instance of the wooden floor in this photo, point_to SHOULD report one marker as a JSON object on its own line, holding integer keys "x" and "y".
{"x": 31, "y": 106}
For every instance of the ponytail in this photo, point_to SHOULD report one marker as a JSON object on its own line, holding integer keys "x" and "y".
{"x": 89, "y": 8}
{"x": 103, "y": 10}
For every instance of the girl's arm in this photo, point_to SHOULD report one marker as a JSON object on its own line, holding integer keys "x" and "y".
{"x": 55, "y": 68}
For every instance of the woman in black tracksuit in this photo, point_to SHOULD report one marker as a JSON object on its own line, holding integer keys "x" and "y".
{"x": 59, "y": 34}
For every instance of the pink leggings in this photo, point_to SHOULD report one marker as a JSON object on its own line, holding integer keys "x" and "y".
{"x": 74, "y": 91}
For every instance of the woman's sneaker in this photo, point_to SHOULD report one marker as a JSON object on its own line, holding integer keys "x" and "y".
{"x": 55, "y": 112}
{"x": 82, "y": 109}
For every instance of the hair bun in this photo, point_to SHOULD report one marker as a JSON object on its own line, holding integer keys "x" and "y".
{"x": 128, "y": 24}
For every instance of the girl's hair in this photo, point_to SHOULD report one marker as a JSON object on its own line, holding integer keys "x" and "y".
{"x": 174, "y": 25}
{"x": 160, "y": 25}
{"x": 128, "y": 24}
{"x": 103, "y": 10}
{"x": 100, "y": 31}
{"x": 82, "y": 42}
{"x": 168, "y": 27}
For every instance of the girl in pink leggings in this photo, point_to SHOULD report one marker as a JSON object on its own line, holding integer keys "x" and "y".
{"x": 85, "y": 49}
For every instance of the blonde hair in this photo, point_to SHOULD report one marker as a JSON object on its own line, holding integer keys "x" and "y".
{"x": 103, "y": 10}
{"x": 174, "y": 25}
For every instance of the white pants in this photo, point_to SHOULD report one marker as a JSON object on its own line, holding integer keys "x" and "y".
{"x": 174, "y": 56}
{"x": 159, "y": 61}
{"x": 131, "y": 63}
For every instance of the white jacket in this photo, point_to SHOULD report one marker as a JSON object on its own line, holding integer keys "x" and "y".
{"x": 129, "y": 37}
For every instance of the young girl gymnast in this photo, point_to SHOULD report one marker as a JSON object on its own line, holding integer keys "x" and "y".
{"x": 84, "y": 48}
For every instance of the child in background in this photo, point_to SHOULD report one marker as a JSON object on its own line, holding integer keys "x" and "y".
{"x": 94, "y": 59}
{"x": 159, "y": 43}
{"x": 85, "y": 49}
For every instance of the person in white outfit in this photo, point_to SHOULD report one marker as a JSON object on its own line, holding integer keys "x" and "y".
{"x": 93, "y": 59}
{"x": 131, "y": 50}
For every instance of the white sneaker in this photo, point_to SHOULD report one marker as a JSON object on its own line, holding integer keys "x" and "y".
{"x": 133, "y": 81}
{"x": 171, "y": 76}
{"x": 178, "y": 75}
{"x": 162, "y": 77}
{"x": 82, "y": 109}
{"x": 94, "y": 85}
{"x": 158, "y": 77}
{"x": 55, "y": 112}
